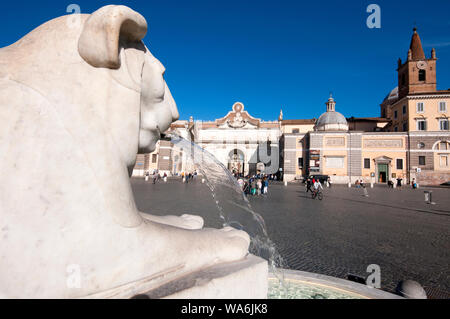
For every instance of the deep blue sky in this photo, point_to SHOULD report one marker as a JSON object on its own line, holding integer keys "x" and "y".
{"x": 270, "y": 54}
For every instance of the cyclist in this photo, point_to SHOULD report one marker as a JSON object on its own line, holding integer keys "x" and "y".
{"x": 317, "y": 187}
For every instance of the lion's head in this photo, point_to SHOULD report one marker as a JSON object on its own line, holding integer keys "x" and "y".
{"x": 111, "y": 37}
{"x": 86, "y": 97}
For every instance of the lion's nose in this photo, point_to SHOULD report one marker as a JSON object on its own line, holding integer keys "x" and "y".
{"x": 175, "y": 114}
{"x": 173, "y": 106}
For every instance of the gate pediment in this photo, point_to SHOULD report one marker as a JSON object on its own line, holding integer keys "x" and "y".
{"x": 238, "y": 118}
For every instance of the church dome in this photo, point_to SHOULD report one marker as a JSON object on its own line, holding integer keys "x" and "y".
{"x": 331, "y": 120}
{"x": 391, "y": 97}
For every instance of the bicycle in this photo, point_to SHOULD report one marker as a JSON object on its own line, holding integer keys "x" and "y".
{"x": 318, "y": 194}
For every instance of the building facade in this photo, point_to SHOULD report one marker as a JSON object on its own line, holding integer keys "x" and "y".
{"x": 243, "y": 144}
{"x": 410, "y": 140}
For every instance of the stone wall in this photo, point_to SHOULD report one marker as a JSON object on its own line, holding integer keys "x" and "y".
{"x": 290, "y": 157}
{"x": 435, "y": 178}
{"x": 165, "y": 156}
{"x": 354, "y": 155}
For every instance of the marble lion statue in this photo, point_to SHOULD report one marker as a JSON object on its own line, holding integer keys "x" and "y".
{"x": 77, "y": 103}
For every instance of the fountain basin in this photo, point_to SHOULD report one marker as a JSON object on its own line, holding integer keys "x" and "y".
{"x": 307, "y": 285}
{"x": 250, "y": 279}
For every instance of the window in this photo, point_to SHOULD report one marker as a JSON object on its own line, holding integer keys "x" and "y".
{"x": 154, "y": 157}
{"x": 396, "y": 129}
{"x": 395, "y": 114}
{"x": 443, "y": 124}
{"x": 295, "y": 130}
{"x": 420, "y": 108}
{"x": 334, "y": 162}
{"x": 405, "y": 127}
{"x": 421, "y": 125}
{"x": 420, "y": 145}
{"x": 399, "y": 163}
{"x": 443, "y": 160}
{"x": 403, "y": 79}
{"x": 300, "y": 162}
{"x": 442, "y": 107}
{"x": 422, "y": 75}
{"x": 421, "y": 160}
{"x": 367, "y": 163}
{"x": 404, "y": 109}
{"x": 443, "y": 146}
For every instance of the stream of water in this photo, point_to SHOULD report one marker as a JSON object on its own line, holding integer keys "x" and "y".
{"x": 233, "y": 207}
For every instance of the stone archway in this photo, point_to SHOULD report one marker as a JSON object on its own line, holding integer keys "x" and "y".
{"x": 236, "y": 161}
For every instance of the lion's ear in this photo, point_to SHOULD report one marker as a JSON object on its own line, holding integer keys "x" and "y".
{"x": 98, "y": 44}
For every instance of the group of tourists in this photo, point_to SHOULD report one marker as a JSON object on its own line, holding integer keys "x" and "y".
{"x": 359, "y": 183}
{"x": 270, "y": 177}
{"x": 186, "y": 177}
{"x": 255, "y": 185}
{"x": 156, "y": 176}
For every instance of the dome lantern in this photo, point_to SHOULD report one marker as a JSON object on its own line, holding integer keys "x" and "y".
{"x": 331, "y": 120}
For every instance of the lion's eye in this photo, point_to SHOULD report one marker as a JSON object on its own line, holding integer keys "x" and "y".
{"x": 153, "y": 80}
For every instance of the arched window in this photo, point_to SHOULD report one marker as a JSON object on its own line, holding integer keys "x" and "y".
{"x": 441, "y": 155}
{"x": 443, "y": 146}
{"x": 422, "y": 75}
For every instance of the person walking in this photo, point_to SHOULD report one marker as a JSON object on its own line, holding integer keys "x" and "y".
{"x": 259, "y": 186}
{"x": 414, "y": 183}
{"x": 154, "y": 176}
{"x": 365, "y": 192}
{"x": 241, "y": 183}
{"x": 308, "y": 185}
{"x": 247, "y": 187}
{"x": 253, "y": 186}
{"x": 266, "y": 186}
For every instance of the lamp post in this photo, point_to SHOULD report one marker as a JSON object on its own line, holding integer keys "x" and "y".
{"x": 350, "y": 159}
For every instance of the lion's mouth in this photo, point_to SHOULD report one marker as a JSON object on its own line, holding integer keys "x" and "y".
{"x": 164, "y": 137}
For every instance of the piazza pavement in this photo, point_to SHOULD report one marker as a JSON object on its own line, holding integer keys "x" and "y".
{"x": 339, "y": 236}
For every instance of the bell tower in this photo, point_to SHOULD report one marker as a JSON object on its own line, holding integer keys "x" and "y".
{"x": 417, "y": 74}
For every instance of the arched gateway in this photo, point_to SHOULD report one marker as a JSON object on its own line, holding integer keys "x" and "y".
{"x": 236, "y": 163}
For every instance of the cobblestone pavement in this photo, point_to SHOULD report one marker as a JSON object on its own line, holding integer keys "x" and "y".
{"x": 340, "y": 235}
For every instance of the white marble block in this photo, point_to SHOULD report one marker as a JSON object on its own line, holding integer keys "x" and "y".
{"x": 77, "y": 102}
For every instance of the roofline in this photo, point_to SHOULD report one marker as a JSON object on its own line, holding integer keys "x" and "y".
{"x": 299, "y": 121}
{"x": 368, "y": 119}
